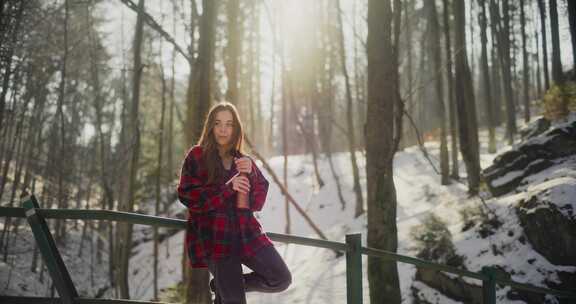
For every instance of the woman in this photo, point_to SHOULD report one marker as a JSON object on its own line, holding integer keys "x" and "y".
{"x": 222, "y": 188}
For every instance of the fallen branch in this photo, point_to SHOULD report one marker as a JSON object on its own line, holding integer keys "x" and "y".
{"x": 283, "y": 189}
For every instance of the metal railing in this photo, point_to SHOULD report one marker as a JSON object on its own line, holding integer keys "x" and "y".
{"x": 352, "y": 248}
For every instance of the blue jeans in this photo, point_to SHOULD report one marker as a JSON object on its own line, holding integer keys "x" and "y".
{"x": 270, "y": 274}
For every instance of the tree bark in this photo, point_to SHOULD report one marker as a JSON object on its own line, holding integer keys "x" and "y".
{"x": 436, "y": 65}
{"x": 502, "y": 32}
{"x": 124, "y": 237}
{"x": 465, "y": 103}
{"x": 199, "y": 99}
{"x": 557, "y": 75}
{"x": 60, "y": 125}
{"x": 350, "y": 117}
{"x": 285, "y": 138}
{"x": 451, "y": 102}
{"x": 232, "y": 51}
{"x": 525, "y": 67}
{"x": 381, "y": 145}
{"x": 486, "y": 78}
{"x": 572, "y": 23}
{"x": 542, "y": 10}
{"x": 159, "y": 174}
{"x": 9, "y": 56}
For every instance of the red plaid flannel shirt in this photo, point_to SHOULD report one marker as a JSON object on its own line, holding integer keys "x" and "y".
{"x": 212, "y": 213}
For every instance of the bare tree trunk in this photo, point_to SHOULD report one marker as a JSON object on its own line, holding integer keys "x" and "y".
{"x": 502, "y": 33}
{"x": 383, "y": 130}
{"x": 542, "y": 10}
{"x": 60, "y": 122}
{"x": 15, "y": 184}
{"x": 471, "y": 26}
{"x": 199, "y": 98}
{"x": 572, "y": 23}
{"x": 486, "y": 78}
{"x": 465, "y": 103}
{"x": 285, "y": 137}
{"x": 256, "y": 72}
{"x": 13, "y": 150}
{"x": 496, "y": 73}
{"x": 525, "y": 67}
{"x": 451, "y": 102}
{"x": 86, "y": 223}
{"x": 557, "y": 75}
{"x": 324, "y": 72}
{"x": 9, "y": 56}
{"x": 159, "y": 174}
{"x": 170, "y": 133}
{"x": 409, "y": 137}
{"x": 126, "y": 203}
{"x": 538, "y": 74}
{"x": 106, "y": 178}
{"x": 350, "y": 117}
{"x": 233, "y": 49}
{"x": 273, "y": 88}
{"x": 436, "y": 65}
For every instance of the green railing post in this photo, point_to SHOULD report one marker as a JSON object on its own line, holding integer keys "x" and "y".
{"x": 52, "y": 259}
{"x": 354, "y": 268}
{"x": 489, "y": 286}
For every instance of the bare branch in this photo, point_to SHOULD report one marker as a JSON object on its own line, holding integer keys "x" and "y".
{"x": 153, "y": 24}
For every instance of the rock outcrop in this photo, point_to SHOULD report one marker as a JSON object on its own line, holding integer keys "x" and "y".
{"x": 532, "y": 156}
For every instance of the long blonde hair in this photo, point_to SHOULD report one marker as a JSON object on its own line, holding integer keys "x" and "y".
{"x": 207, "y": 141}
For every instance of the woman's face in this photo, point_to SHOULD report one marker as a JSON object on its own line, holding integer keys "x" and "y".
{"x": 223, "y": 128}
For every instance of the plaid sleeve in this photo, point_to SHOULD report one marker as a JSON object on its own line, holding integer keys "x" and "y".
{"x": 193, "y": 191}
{"x": 259, "y": 188}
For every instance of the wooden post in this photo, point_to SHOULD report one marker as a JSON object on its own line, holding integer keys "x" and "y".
{"x": 50, "y": 254}
{"x": 354, "y": 269}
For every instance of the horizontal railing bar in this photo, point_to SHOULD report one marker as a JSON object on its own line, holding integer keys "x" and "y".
{"x": 306, "y": 241}
{"x": 118, "y": 216}
{"x": 556, "y": 292}
{"x": 12, "y": 212}
{"x": 44, "y": 300}
{"x": 28, "y": 300}
{"x": 113, "y": 301}
{"x": 410, "y": 260}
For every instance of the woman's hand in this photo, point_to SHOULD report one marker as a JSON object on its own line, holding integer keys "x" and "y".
{"x": 241, "y": 184}
{"x": 243, "y": 165}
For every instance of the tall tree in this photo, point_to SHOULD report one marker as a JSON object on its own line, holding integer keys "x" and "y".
{"x": 106, "y": 176}
{"x": 126, "y": 203}
{"x": 451, "y": 101}
{"x": 436, "y": 66}
{"x": 60, "y": 125}
{"x": 542, "y": 10}
{"x": 502, "y": 33}
{"x": 486, "y": 77}
{"x": 198, "y": 100}
{"x": 382, "y": 131}
{"x": 525, "y": 67}
{"x": 557, "y": 76}
{"x": 232, "y": 60}
{"x": 572, "y": 23}
{"x": 10, "y": 35}
{"x": 465, "y": 102}
{"x": 349, "y": 116}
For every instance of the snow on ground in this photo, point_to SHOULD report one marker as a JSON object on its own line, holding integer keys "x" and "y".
{"x": 318, "y": 275}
